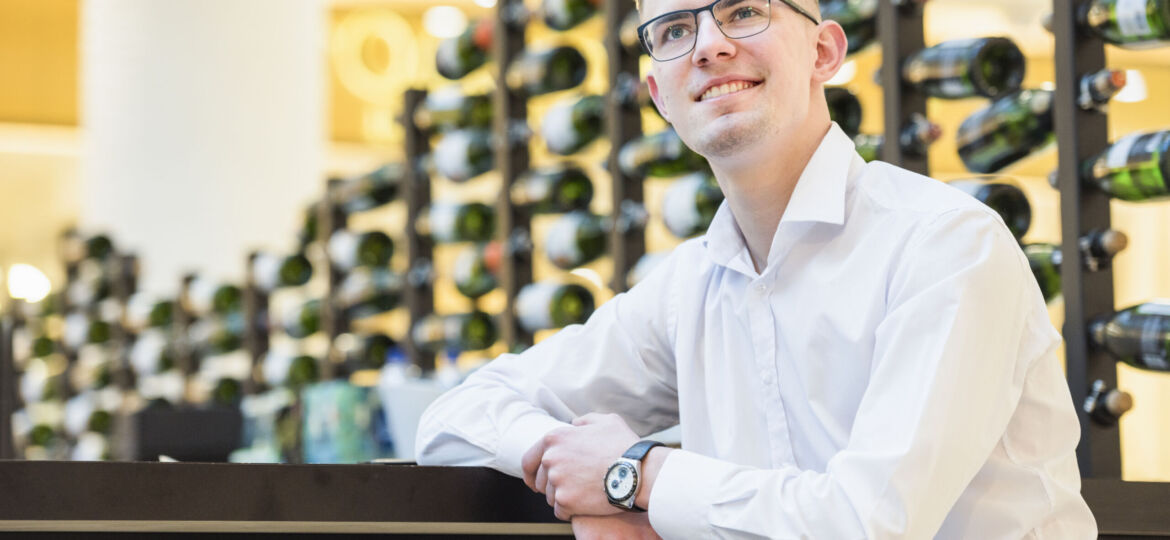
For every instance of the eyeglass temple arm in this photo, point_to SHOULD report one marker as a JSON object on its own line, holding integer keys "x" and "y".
{"x": 801, "y": 11}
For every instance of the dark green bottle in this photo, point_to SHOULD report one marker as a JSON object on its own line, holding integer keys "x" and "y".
{"x": 218, "y": 334}
{"x": 349, "y": 250}
{"x": 844, "y": 109}
{"x": 476, "y": 268}
{"x": 1135, "y": 168}
{"x": 273, "y": 272}
{"x": 543, "y": 71}
{"x": 857, "y": 17}
{"x": 371, "y": 190}
{"x": 447, "y": 222}
{"x": 282, "y": 369}
{"x": 1138, "y": 335}
{"x": 227, "y": 392}
{"x": 1002, "y": 196}
{"x": 206, "y": 297}
{"x": 77, "y": 247}
{"x": 458, "y": 56}
{"x": 304, "y": 320}
{"x": 465, "y": 332}
{"x": 575, "y": 239}
{"x": 987, "y": 67}
{"x": 569, "y": 126}
{"x": 547, "y": 304}
{"x": 365, "y": 351}
{"x": 449, "y": 108}
{"x": 369, "y": 291}
{"x": 1128, "y": 23}
{"x": 565, "y": 14}
{"x": 915, "y": 138}
{"x": 464, "y": 154}
{"x": 690, "y": 204}
{"x": 1098, "y": 247}
{"x": 308, "y": 232}
{"x": 659, "y": 154}
{"x": 553, "y": 190}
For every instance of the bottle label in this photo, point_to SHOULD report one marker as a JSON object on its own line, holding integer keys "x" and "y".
{"x": 1153, "y": 341}
{"x": 534, "y": 305}
{"x": 557, "y": 129}
{"x": 343, "y": 251}
{"x": 561, "y": 242}
{"x": 447, "y": 57}
{"x": 1118, "y": 155}
{"x": 147, "y": 350}
{"x": 1132, "y": 19}
{"x": 442, "y": 218}
{"x": 465, "y": 265}
{"x": 679, "y": 209}
{"x": 532, "y": 190}
{"x": 266, "y": 268}
{"x": 453, "y": 156}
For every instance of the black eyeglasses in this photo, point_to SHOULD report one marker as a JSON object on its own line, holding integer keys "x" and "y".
{"x": 672, "y": 35}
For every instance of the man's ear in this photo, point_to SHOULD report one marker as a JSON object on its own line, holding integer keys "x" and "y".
{"x": 653, "y": 86}
{"x": 831, "y": 49}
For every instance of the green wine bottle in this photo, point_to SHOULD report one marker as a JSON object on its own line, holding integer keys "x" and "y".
{"x": 547, "y": 304}
{"x": 227, "y": 392}
{"x": 569, "y": 126}
{"x": 81, "y": 330}
{"x": 1128, "y": 23}
{"x": 1002, "y": 196}
{"x": 365, "y": 351}
{"x": 152, "y": 352}
{"x": 1018, "y": 124}
{"x": 282, "y": 369}
{"x": 308, "y": 232}
{"x": 857, "y": 17}
{"x": 1105, "y": 405}
{"x": 659, "y": 154}
{"x": 1135, "y": 168}
{"x": 987, "y": 67}
{"x": 205, "y": 296}
{"x": 303, "y": 320}
{"x": 543, "y": 71}
{"x": 217, "y": 334}
{"x": 90, "y": 284}
{"x": 565, "y": 14}
{"x": 575, "y": 239}
{"x": 1097, "y": 247}
{"x": 369, "y": 291}
{"x": 690, "y": 204}
{"x": 77, "y": 247}
{"x": 465, "y": 332}
{"x": 476, "y": 268}
{"x": 448, "y": 108}
{"x": 553, "y": 190}
{"x": 464, "y": 154}
{"x": 1137, "y": 335}
{"x": 844, "y": 109}
{"x": 349, "y": 250}
{"x": 273, "y": 272}
{"x": 915, "y": 138}
{"x": 144, "y": 311}
{"x": 448, "y": 222}
{"x": 371, "y": 190}
{"x": 458, "y": 56}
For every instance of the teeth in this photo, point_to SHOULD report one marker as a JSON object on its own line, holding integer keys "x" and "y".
{"x": 726, "y": 88}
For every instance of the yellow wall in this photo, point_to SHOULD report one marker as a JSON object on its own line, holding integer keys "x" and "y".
{"x": 38, "y": 61}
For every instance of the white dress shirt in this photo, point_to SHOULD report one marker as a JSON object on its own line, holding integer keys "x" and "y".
{"x": 891, "y": 374}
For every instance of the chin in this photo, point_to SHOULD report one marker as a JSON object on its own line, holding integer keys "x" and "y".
{"x": 727, "y": 136}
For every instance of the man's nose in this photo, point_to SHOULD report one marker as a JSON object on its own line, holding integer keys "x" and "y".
{"x": 710, "y": 43}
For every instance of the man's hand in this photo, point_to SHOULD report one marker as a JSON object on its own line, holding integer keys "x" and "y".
{"x": 568, "y": 464}
{"x": 623, "y": 526}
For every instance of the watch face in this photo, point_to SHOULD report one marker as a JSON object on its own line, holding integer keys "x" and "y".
{"x": 620, "y": 481}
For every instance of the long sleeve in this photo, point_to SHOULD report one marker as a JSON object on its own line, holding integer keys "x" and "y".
{"x": 950, "y": 359}
{"x": 620, "y": 361}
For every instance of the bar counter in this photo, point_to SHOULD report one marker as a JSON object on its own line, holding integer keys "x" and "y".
{"x": 41, "y": 500}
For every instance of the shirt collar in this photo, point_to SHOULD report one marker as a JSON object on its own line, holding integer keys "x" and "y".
{"x": 819, "y": 197}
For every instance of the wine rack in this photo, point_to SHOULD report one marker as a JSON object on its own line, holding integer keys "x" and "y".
{"x": 900, "y": 34}
{"x": 8, "y": 323}
{"x": 419, "y": 294}
{"x": 624, "y": 123}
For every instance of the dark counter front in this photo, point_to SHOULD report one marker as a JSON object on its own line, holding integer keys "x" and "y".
{"x": 405, "y": 500}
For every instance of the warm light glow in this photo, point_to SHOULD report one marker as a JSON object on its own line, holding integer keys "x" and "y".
{"x": 844, "y": 75}
{"x": 486, "y": 3}
{"x": 28, "y": 283}
{"x": 1135, "y": 88}
{"x": 444, "y": 21}
{"x": 588, "y": 275}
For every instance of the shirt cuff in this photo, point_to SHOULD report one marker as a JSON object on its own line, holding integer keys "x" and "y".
{"x": 519, "y": 438}
{"x": 680, "y": 501}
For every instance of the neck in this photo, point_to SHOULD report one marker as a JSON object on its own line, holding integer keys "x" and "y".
{"x": 758, "y": 187}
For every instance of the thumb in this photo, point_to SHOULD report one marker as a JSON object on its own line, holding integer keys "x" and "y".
{"x": 591, "y": 418}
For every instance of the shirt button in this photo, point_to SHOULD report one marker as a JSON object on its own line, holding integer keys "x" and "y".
{"x": 761, "y": 288}
{"x": 767, "y": 378}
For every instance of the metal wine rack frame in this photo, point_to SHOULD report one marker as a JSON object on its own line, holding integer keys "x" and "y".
{"x": 623, "y": 124}
{"x": 899, "y": 28}
{"x": 330, "y": 219}
{"x": 419, "y": 295}
{"x": 8, "y": 324}
{"x": 255, "y": 311}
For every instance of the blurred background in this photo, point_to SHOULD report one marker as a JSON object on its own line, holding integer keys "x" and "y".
{"x": 192, "y": 132}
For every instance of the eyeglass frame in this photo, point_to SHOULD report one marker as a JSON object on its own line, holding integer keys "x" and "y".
{"x": 711, "y": 8}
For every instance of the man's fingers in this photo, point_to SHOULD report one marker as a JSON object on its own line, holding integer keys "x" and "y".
{"x": 586, "y": 419}
{"x": 560, "y": 513}
{"x": 540, "y": 480}
{"x": 550, "y": 494}
{"x": 531, "y": 462}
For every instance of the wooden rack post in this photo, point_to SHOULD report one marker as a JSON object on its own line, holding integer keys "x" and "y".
{"x": 623, "y": 123}
{"x": 7, "y": 381}
{"x": 331, "y": 219}
{"x": 900, "y": 31}
{"x": 255, "y": 327}
{"x": 419, "y": 294}
{"x": 125, "y": 284}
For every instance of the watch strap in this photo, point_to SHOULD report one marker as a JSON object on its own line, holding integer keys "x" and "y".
{"x": 640, "y": 449}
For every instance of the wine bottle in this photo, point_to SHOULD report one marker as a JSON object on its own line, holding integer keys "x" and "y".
{"x": 1097, "y": 248}
{"x": 218, "y": 334}
{"x": 915, "y": 138}
{"x": 448, "y": 222}
{"x": 465, "y": 332}
{"x": 151, "y": 353}
{"x": 349, "y": 250}
{"x": 283, "y": 369}
{"x": 577, "y": 238}
{"x": 144, "y": 311}
{"x": 308, "y": 232}
{"x": 646, "y": 264}
{"x": 1135, "y": 168}
{"x": 81, "y": 329}
{"x": 543, "y": 71}
{"x": 988, "y": 67}
{"x": 365, "y": 351}
{"x": 371, "y": 190}
{"x": 571, "y": 125}
{"x": 43, "y": 380}
{"x": 628, "y": 34}
{"x": 1128, "y": 23}
{"x": 227, "y": 392}
{"x": 1045, "y": 260}
{"x": 303, "y": 320}
{"x": 1105, "y": 405}
{"x": 205, "y": 296}
{"x": 553, "y": 190}
{"x": 476, "y": 268}
{"x": 659, "y": 154}
{"x": 77, "y": 247}
{"x": 460, "y": 55}
{"x": 1005, "y": 198}
{"x": 464, "y": 154}
{"x": 844, "y": 109}
{"x": 857, "y": 17}
{"x": 162, "y": 390}
{"x": 1137, "y": 335}
{"x": 272, "y": 272}
{"x": 548, "y": 304}
{"x": 369, "y": 291}
{"x": 1016, "y": 125}
{"x": 565, "y": 14}
{"x": 90, "y": 284}
{"x": 448, "y": 108}
{"x": 690, "y": 204}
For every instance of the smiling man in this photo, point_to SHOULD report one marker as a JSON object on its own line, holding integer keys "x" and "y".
{"x": 852, "y": 350}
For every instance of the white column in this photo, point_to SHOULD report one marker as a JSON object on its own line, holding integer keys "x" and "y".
{"x": 204, "y": 128}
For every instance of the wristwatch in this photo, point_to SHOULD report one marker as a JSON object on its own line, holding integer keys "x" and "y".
{"x": 623, "y": 477}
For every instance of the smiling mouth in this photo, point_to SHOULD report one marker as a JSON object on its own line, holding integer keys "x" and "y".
{"x": 727, "y": 88}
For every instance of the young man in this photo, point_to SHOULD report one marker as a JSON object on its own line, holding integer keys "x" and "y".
{"x": 852, "y": 350}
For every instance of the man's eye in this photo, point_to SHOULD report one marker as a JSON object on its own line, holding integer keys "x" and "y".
{"x": 745, "y": 13}
{"x": 672, "y": 33}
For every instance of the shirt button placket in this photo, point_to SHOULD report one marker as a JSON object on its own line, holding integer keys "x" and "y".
{"x": 764, "y": 338}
